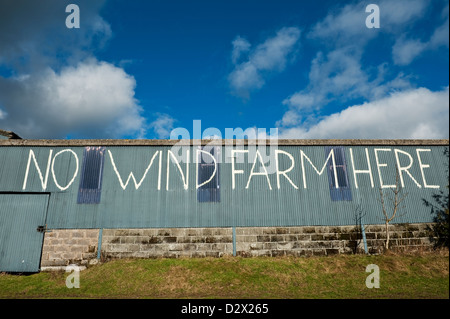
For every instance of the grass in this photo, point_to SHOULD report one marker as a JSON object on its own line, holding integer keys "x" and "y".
{"x": 402, "y": 276}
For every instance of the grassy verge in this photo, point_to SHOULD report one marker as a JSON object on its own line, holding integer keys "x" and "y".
{"x": 342, "y": 277}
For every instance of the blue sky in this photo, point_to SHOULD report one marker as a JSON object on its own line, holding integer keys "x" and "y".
{"x": 139, "y": 69}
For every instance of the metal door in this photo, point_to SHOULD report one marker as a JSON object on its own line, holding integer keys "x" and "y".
{"x": 22, "y": 226}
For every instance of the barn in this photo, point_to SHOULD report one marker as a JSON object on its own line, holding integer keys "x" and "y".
{"x": 78, "y": 201}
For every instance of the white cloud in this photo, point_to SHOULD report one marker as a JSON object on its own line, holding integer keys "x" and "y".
{"x": 244, "y": 78}
{"x": 412, "y": 114}
{"x": 33, "y": 33}
{"x": 404, "y": 51}
{"x": 343, "y": 74}
{"x": 347, "y": 25}
{"x": 268, "y": 57}
{"x": 93, "y": 99}
{"x": 163, "y": 125}
{"x": 400, "y": 12}
{"x": 441, "y": 34}
{"x": 48, "y": 96}
{"x": 240, "y": 46}
{"x": 290, "y": 118}
{"x": 340, "y": 76}
{"x": 337, "y": 73}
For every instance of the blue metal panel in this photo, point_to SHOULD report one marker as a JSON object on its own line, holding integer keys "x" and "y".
{"x": 20, "y": 242}
{"x": 90, "y": 189}
{"x": 343, "y": 192}
{"x": 208, "y": 169}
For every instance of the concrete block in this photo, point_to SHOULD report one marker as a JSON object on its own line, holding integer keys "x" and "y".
{"x": 83, "y": 242}
{"x": 121, "y": 232}
{"x": 303, "y": 237}
{"x": 282, "y": 230}
{"x": 169, "y": 239}
{"x": 255, "y": 246}
{"x": 189, "y": 247}
{"x": 197, "y": 239}
{"x": 278, "y": 253}
{"x": 175, "y": 247}
{"x": 77, "y": 249}
{"x": 321, "y": 229}
{"x": 276, "y": 238}
{"x": 224, "y": 231}
{"x": 207, "y": 232}
{"x": 246, "y": 239}
{"x": 127, "y": 240}
{"x": 203, "y": 246}
{"x": 160, "y": 248}
{"x": 164, "y": 232}
{"x": 269, "y": 231}
{"x": 270, "y": 245}
{"x": 77, "y": 234}
{"x": 131, "y": 247}
{"x": 147, "y": 247}
{"x": 295, "y": 230}
{"x": 149, "y": 232}
{"x": 316, "y": 237}
{"x": 193, "y": 232}
{"x": 309, "y": 230}
{"x": 178, "y": 232}
{"x": 210, "y": 239}
{"x": 263, "y": 238}
{"x": 183, "y": 239}
{"x": 155, "y": 240}
{"x": 93, "y": 234}
{"x": 332, "y": 251}
{"x": 284, "y": 245}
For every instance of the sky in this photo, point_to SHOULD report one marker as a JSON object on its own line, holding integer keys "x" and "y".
{"x": 146, "y": 69}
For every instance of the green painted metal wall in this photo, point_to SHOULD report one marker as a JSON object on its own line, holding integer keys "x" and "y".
{"x": 158, "y": 201}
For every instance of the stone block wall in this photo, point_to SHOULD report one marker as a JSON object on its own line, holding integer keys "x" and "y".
{"x": 66, "y": 246}
{"x": 167, "y": 242}
{"x": 63, "y": 247}
{"x": 327, "y": 240}
{"x": 259, "y": 241}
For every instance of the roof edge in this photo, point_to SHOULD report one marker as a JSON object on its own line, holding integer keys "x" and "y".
{"x": 224, "y": 142}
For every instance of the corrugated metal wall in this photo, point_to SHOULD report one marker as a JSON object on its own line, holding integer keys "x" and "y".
{"x": 158, "y": 202}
